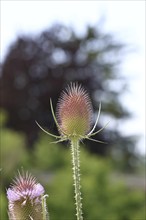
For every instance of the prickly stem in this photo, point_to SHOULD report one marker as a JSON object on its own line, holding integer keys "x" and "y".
{"x": 76, "y": 176}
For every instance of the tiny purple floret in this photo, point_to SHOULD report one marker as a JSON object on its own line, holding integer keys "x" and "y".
{"x": 25, "y": 186}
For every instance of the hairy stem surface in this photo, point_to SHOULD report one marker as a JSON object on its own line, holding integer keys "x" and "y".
{"x": 76, "y": 176}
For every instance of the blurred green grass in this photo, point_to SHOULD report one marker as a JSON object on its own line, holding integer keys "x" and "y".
{"x": 103, "y": 198}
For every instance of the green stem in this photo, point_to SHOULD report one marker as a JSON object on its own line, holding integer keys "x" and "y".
{"x": 44, "y": 209}
{"x": 76, "y": 176}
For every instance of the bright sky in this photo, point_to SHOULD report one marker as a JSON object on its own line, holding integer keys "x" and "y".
{"x": 126, "y": 19}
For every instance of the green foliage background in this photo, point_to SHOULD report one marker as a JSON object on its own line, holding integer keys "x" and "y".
{"x": 104, "y": 197}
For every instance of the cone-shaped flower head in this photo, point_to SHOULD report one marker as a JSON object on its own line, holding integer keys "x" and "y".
{"x": 26, "y": 199}
{"x": 74, "y": 111}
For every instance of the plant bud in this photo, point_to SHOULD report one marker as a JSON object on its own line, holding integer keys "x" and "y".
{"x": 74, "y": 112}
{"x": 26, "y": 199}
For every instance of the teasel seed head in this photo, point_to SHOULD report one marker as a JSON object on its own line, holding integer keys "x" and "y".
{"x": 74, "y": 111}
{"x": 74, "y": 116}
{"x": 26, "y": 199}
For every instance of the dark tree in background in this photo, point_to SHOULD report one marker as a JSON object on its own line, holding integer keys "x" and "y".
{"x": 36, "y": 69}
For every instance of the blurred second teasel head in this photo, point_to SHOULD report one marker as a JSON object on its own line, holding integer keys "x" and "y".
{"x": 26, "y": 199}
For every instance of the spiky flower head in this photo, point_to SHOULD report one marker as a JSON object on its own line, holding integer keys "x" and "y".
{"x": 26, "y": 199}
{"x": 74, "y": 111}
{"x": 74, "y": 115}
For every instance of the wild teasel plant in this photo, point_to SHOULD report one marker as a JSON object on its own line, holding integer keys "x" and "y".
{"x": 26, "y": 199}
{"x": 73, "y": 119}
